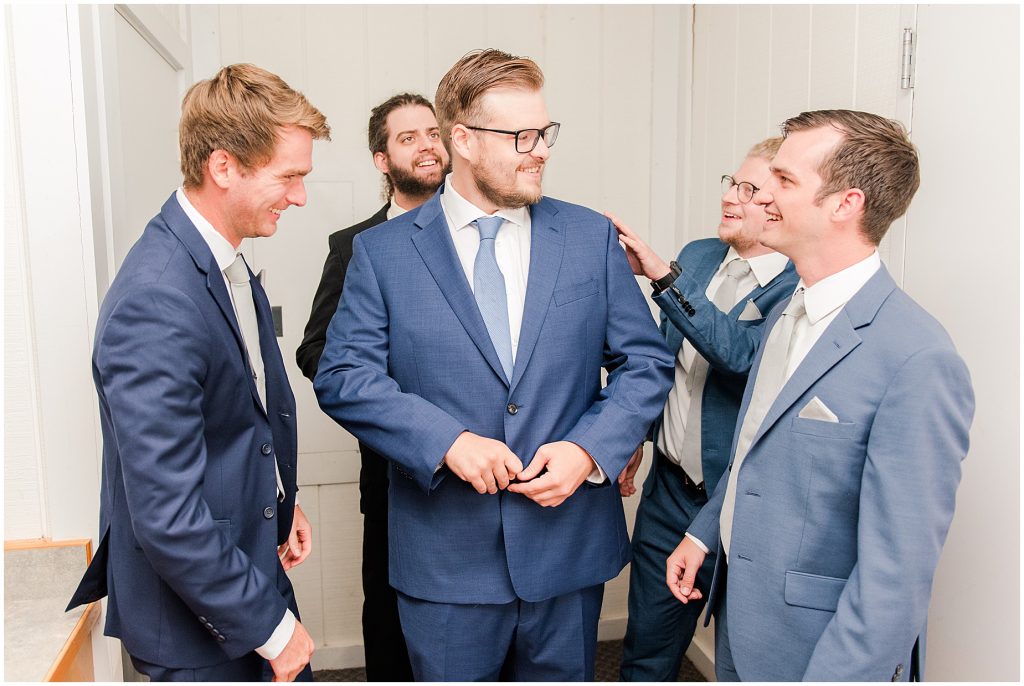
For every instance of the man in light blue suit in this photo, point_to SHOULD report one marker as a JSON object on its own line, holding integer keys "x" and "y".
{"x": 846, "y": 458}
{"x": 468, "y": 348}
{"x": 713, "y": 304}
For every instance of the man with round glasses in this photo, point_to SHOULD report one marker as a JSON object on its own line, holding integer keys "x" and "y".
{"x": 713, "y": 301}
{"x": 468, "y": 348}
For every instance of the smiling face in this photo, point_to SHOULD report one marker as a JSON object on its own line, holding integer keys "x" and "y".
{"x": 416, "y": 161}
{"x": 503, "y": 177}
{"x": 797, "y": 223}
{"x": 255, "y": 198}
{"x": 742, "y": 223}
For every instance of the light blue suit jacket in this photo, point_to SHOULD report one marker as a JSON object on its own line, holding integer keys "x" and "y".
{"x": 409, "y": 365}
{"x": 838, "y": 527}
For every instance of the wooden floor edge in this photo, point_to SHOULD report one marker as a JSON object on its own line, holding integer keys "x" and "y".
{"x": 79, "y": 635}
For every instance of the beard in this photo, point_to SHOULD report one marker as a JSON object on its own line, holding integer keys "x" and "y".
{"x": 740, "y": 239}
{"x": 413, "y": 185}
{"x": 501, "y": 189}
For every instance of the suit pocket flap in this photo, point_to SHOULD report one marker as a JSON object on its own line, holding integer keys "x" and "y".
{"x": 576, "y": 292}
{"x": 824, "y": 429}
{"x": 813, "y": 591}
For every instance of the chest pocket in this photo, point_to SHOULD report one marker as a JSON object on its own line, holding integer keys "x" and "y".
{"x": 575, "y": 292}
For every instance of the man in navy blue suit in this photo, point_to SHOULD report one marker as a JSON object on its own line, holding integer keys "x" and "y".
{"x": 713, "y": 302}
{"x": 847, "y": 453}
{"x": 468, "y": 348}
{"x": 198, "y": 516}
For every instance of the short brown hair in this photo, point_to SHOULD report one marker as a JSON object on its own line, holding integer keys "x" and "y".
{"x": 766, "y": 149}
{"x": 459, "y": 93}
{"x": 377, "y": 130}
{"x": 875, "y": 155}
{"x": 240, "y": 110}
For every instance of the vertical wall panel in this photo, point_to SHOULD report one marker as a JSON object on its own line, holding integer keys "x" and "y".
{"x": 753, "y": 79}
{"x": 833, "y": 56}
{"x": 518, "y": 29}
{"x": 308, "y": 577}
{"x": 878, "y": 59}
{"x": 396, "y": 51}
{"x": 790, "y": 56}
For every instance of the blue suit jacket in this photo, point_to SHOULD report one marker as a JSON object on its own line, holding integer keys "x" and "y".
{"x": 409, "y": 365}
{"x": 727, "y": 342}
{"x": 189, "y": 520}
{"x": 838, "y": 527}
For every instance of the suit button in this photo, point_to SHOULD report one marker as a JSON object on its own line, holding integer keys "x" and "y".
{"x": 266, "y": 448}
{"x": 221, "y": 638}
{"x": 210, "y": 627}
{"x": 268, "y": 513}
{"x": 202, "y": 620}
{"x": 512, "y": 408}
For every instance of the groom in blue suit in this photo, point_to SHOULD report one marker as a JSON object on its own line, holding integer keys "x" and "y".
{"x": 198, "y": 513}
{"x": 713, "y": 304}
{"x": 846, "y": 459}
{"x": 468, "y": 348}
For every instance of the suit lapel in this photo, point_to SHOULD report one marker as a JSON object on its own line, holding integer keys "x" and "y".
{"x": 434, "y": 244}
{"x": 546, "y": 246}
{"x": 181, "y": 226}
{"x": 838, "y": 341}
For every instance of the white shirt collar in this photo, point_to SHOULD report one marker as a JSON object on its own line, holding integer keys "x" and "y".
{"x": 394, "y": 209}
{"x": 221, "y": 248}
{"x": 764, "y": 267}
{"x": 461, "y": 212}
{"x": 832, "y": 292}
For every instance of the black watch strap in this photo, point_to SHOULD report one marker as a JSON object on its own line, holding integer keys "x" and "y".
{"x": 662, "y": 284}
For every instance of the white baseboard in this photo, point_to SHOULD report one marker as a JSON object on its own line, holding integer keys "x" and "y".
{"x": 338, "y": 657}
{"x": 702, "y": 656}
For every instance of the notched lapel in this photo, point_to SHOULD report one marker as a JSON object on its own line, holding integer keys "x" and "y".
{"x": 434, "y": 244}
{"x": 547, "y": 243}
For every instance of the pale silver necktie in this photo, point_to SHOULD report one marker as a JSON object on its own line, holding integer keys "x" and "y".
{"x": 724, "y": 300}
{"x": 771, "y": 377}
{"x": 245, "y": 311}
{"x": 489, "y": 291}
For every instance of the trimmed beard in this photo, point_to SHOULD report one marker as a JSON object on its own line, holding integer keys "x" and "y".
{"x": 408, "y": 183}
{"x": 504, "y": 195}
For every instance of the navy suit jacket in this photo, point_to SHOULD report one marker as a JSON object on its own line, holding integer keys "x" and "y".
{"x": 409, "y": 365}
{"x": 725, "y": 340}
{"x": 838, "y": 526}
{"x": 189, "y": 519}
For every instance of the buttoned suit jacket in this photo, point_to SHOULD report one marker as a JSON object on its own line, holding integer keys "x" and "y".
{"x": 724, "y": 339}
{"x": 189, "y": 519}
{"x": 373, "y": 475}
{"x": 838, "y": 526}
{"x": 409, "y": 365}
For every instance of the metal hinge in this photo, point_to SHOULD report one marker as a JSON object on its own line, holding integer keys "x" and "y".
{"x": 907, "y": 63}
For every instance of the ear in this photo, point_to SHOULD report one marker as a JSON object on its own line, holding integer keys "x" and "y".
{"x": 380, "y": 160}
{"x": 850, "y": 206}
{"x": 220, "y": 167}
{"x": 462, "y": 141}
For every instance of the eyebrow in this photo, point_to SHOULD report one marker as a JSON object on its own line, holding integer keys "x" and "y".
{"x": 402, "y": 133}
{"x": 300, "y": 172}
{"x": 779, "y": 170}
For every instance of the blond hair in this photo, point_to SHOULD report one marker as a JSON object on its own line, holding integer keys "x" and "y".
{"x": 459, "y": 93}
{"x": 874, "y": 155}
{"x": 766, "y": 149}
{"x": 240, "y": 110}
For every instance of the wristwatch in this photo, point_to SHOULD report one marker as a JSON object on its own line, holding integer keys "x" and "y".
{"x": 662, "y": 284}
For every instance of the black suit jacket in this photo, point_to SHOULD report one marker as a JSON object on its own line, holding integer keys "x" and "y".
{"x": 373, "y": 475}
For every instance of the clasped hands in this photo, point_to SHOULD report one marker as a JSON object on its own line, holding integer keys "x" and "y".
{"x": 489, "y": 466}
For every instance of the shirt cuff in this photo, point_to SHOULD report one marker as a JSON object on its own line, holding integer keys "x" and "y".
{"x": 596, "y": 475}
{"x": 700, "y": 544}
{"x": 279, "y": 639}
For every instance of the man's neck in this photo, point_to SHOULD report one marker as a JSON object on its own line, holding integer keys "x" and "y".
{"x": 820, "y": 266}
{"x": 750, "y": 251}
{"x": 208, "y": 207}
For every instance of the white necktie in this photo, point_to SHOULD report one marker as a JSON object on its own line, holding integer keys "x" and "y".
{"x": 724, "y": 300}
{"x": 245, "y": 311}
{"x": 771, "y": 377}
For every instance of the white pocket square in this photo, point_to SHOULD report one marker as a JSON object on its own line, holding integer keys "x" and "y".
{"x": 818, "y": 410}
{"x": 750, "y": 312}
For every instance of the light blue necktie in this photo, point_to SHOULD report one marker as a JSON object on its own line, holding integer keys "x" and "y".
{"x": 489, "y": 290}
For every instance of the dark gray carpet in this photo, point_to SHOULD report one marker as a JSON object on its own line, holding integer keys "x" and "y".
{"x": 609, "y": 654}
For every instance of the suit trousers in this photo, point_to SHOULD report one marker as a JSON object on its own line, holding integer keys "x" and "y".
{"x": 550, "y": 640}
{"x": 659, "y": 627}
{"x": 387, "y": 658}
{"x": 249, "y": 667}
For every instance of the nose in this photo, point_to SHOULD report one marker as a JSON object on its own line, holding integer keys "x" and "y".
{"x": 763, "y": 196}
{"x": 542, "y": 151}
{"x": 732, "y": 196}
{"x": 297, "y": 194}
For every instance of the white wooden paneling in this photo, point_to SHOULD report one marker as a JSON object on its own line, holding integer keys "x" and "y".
{"x": 963, "y": 265}
{"x": 790, "y": 59}
{"x": 833, "y": 56}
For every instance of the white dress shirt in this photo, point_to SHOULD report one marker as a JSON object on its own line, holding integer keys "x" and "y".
{"x": 763, "y": 269}
{"x": 224, "y": 253}
{"x": 394, "y": 209}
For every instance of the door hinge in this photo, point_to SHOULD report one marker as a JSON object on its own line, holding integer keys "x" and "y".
{"x": 907, "y": 63}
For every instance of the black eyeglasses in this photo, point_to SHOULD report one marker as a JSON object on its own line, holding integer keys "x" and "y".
{"x": 744, "y": 189}
{"x": 526, "y": 139}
